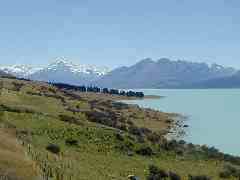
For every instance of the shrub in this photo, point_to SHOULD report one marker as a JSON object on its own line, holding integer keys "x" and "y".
{"x": 170, "y": 145}
{"x": 71, "y": 142}
{"x": 17, "y": 109}
{"x": 145, "y": 151}
{"x": 101, "y": 117}
{"x": 225, "y": 174}
{"x": 122, "y": 127}
{"x": 119, "y": 137}
{"x": 17, "y": 86}
{"x": 154, "y": 137}
{"x": 174, "y": 176}
{"x": 229, "y": 171}
{"x": 53, "y": 148}
{"x": 201, "y": 177}
{"x": 182, "y": 142}
{"x": 135, "y": 130}
{"x": 213, "y": 152}
{"x": 69, "y": 119}
{"x": 156, "y": 173}
{"x": 132, "y": 177}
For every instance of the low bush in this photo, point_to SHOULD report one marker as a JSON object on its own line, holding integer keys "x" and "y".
{"x": 156, "y": 173}
{"x": 145, "y": 151}
{"x": 53, "y": 148}
{"x": 71, "y": 142}
{"x": 200, "y": 177}
{"x": 173, "y": 176}
{"x": 132, "y": 177}
{"x": 170, "y": 145}
{"x": 230, "y": 171}
{"x": 19, "y": 109}
{"x": 17, "y": 86}
{"x": 69, "y": 119}
{"x": 225, "y": 174}
{"x": 119, "y": 137}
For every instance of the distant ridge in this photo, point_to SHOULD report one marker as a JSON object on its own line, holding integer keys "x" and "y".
{"x": 163, "y": 73}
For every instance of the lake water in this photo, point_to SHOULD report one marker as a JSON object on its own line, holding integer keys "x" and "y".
{"x": 213, "y": 114}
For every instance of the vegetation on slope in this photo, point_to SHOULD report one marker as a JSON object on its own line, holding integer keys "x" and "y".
{"x": 70, "y": 135}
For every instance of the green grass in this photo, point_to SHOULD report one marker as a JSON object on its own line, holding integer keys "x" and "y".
{"x": 97, "y": 155}
{"x": 13, "y": 159}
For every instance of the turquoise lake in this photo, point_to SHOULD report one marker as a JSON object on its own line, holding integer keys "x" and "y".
{"x": 213, "y": 114}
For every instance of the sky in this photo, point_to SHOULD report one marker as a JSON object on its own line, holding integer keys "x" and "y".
{"x": 114, "y": 33}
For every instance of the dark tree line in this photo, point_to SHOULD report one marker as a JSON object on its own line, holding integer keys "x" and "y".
{"x": 96, "y": 89}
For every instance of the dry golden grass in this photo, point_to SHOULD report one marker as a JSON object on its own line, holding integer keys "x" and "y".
{"x": 13, "y": 158}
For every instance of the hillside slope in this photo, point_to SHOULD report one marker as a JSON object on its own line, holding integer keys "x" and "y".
{"x": 71, "y": 135}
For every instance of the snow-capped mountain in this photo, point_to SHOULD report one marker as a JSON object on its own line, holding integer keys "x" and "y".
{"x": 22, "y": 71}
{"x": 2, "y": 73}
{"x": 76, "y": 68}
{"x": 59, "y": 71}
{"x": 67, "y": 72}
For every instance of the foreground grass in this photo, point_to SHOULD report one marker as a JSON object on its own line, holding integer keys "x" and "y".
{"x": 95, "y": 157}
{"x": 13, "y": 160}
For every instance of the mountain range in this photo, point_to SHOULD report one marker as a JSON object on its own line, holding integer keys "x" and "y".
{"x": 147, "y": 73}
{"x": 164, "y": 73}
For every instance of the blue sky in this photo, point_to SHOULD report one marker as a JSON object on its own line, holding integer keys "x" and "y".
{"x": 115, "y": 33}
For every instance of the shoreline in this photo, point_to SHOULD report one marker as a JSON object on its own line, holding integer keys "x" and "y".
{"x": 177, "y": 125}
{"x": 116, "y": 97}
{"x": 177, "y": 132}
{"x": 136, "y": 98}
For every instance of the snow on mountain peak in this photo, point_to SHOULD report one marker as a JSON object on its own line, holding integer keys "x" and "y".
{"x": 61, "y": 64}
{"x": 65, "y": 65}
{"x": 20, "y": 70}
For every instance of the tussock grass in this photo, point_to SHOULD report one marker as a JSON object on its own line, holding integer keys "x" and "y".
{"x": 13, "y": 159}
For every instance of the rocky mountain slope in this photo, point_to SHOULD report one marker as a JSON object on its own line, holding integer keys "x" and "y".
{"x": 223, "y": 82}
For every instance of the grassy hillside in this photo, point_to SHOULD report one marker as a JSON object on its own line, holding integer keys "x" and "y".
{"x": 47, "y": 133}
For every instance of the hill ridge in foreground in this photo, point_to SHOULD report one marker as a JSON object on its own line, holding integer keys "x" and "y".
{"x": 73, "y": 135}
